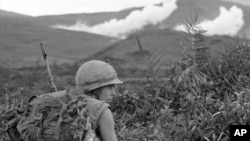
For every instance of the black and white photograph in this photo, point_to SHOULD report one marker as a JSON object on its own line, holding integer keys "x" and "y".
{"x": 124, "y": 70}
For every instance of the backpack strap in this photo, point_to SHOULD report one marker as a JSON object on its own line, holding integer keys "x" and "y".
{"x": 62, "y": 111}
{"x": 60, "y": 119}
{"x": 96, "y": 112}
{"x": 101, "y": 107}
{"x": 94, "y": 108}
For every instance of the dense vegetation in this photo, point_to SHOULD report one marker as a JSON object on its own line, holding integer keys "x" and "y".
{"x": 196, "y": 98}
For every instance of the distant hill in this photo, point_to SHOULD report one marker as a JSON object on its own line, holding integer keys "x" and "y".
{"x": 206, "y": 10}
{"x": 21, "y": 35}
{"x": 89, "y": 18}
{"x": 160, "y": 47}
{"x": 4, "y": 74}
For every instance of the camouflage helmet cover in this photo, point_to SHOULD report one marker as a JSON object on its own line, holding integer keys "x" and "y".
{"x": 95, "y": 74}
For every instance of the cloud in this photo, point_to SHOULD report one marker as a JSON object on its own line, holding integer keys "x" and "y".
{"x": 229, "y": 22}
{"x": 243, "y": 2}
{"x": 136, "y": 20}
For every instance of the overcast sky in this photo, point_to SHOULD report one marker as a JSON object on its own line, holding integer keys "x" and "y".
{"x": 54, "y": 7}
{"x": 228, "y": 22}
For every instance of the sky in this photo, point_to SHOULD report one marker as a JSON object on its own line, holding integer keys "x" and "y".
{"x": 244, "y": 2}
{"x": 228, "y": 22}
{"x": 136, "y": 20}
{"x": 55, "y": 7}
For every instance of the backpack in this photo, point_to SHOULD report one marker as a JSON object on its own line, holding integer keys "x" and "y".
{"x": 52, "y": 117}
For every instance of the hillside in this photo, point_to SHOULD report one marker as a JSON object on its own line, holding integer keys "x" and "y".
{"x": 206, "y": 10}
{"x": 89, "y": 18}
{"x": 5, "y": 73}
{"x": 21, "y": 36}
{"x": 160, "y": 47}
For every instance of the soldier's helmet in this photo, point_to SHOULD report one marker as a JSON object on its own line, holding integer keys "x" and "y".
{"x": 95, "y": 74}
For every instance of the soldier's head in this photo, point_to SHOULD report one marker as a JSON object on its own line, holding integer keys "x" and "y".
{"x": 97, "y": 78}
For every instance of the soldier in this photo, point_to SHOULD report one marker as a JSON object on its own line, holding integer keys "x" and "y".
{"x": 97, "y": 80}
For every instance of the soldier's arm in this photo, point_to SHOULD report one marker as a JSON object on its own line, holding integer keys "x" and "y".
{"x": 106, "y": 126}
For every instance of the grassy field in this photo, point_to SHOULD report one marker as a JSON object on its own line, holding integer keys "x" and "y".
{"x": 174, "y": 90}
{"x": 21, "y": 36}
{"x": 197, "y": 98}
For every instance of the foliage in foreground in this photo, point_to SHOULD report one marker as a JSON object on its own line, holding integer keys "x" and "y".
{"x": 197, "y": 98}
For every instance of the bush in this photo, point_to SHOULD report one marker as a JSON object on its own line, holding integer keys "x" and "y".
{"x": 198, "y": 98}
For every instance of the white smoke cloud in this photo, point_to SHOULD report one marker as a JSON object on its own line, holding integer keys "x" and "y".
{"x": 229, "y": 22}
{"x": 136, "y": 20}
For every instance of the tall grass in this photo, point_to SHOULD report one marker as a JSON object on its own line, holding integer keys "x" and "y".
{"x": 201, "y": 97}
{"x": 197, "y": 98}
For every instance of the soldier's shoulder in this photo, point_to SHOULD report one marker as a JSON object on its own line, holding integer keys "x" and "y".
{"x": 96, "y": 107}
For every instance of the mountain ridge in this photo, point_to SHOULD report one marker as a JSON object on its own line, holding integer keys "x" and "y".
{"x": 206, "y": 10}
{"x": 21, "y": 34}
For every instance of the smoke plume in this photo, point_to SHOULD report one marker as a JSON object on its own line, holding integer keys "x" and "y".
{"x": 136, "y": 20}
{"x": 229, "y": 22}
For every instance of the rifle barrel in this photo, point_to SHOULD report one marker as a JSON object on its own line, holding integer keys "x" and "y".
{"x": 51, "y": 81}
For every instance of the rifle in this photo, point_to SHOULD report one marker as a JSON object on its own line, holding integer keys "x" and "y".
{"x": 51, "y": 81}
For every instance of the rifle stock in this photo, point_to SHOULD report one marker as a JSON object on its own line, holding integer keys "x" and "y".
{"x": 51, "y": 81}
